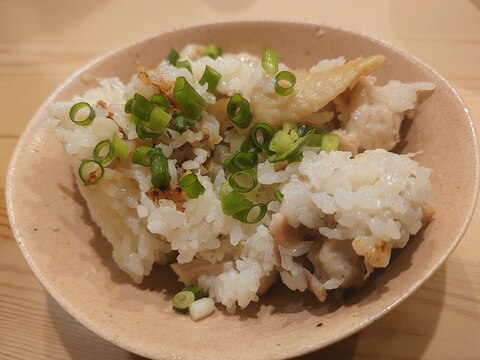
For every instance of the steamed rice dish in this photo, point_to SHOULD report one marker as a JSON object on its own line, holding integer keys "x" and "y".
{"x": 239, "y": 172}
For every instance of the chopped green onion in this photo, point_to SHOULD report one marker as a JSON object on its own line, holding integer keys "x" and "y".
{"x": 270, "y": 59}
{"x": 246, "y": 145}
{"x": 278, "y": 196}
{"x": 184, "y": 64}
{"x": 141, "y": 156}
{"x": 191, "y": 186}
{"x": 190, "y": 101}
{"x": 211, "y": 77}
{"x": 86, "y": 119}
{"x": 213, "y": 51}
{"x": 285, "y": 76}
{"x": 99, "y": 154}
{"x": 243, "y": 181}
{"x": 245, "y": 159}
{"x": 91, "y": 172}
{"x": 160, "y": 100}
{"x": 292, "y": 150}
{"x": 295, "y": 157}
{"x": 144, "y": 133}
{"x": 181, "y": 123}
{"x": 121, "y": 149}
{"x": 134, "y": 120}
{"x": 141, "y": 107}
{"x": 128, "y": 106}
{"x": 315, "y": 140}
{"x": 302, "y": 130}
{"x": 260, "y": 136}
{"x": 159, "y": 169}
{"x": 330, "y": 142}
{"x": 173, "y": 56}
{"x": 196, "y": 290}
{"x": 182, "y": 300}
{"x": 281, "y": 142}
{"x": 238, "y": 110}
{"x": 236, "y": 205}
{"x": 159, "y": 119}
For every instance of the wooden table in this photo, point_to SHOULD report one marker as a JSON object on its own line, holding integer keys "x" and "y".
{"x": 42, "y": 42}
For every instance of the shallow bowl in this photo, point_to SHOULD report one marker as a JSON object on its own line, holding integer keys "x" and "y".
{"x": 73, "y": 261}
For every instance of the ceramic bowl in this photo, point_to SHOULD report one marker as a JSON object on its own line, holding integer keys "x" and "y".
{"x": 72, "y": 260}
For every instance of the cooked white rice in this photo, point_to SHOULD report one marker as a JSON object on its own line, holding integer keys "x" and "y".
{"x": 344, "y": 209}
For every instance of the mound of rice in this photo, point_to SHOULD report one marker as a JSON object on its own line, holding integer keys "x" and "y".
{"x": 341, "y": 214}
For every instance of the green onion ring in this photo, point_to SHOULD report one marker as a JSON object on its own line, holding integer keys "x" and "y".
{"x": 160, "y": 100}
{"x": 189, "y": 100}
{"x": 196, "y": 290}
{"x": 121, "y": 149}
{"x": 191, "y": 186}
{"x": 270, "y": 60}
{"x": 173, "y": 56}
{"x": 234, "y": 202}
{"x": 182, "y": 300}
{"x": 285, "y": 76}
{"x": 232, "y": 180}
{"x": 213, "y": 51}
{"x": 159, "y": 119}
{"x": 76, "y": 108}
{"x": 141, "y": 156}
{"x": 278, "y": 196}
{"x": 245, "y": 160}
{"x": 128, "y": 106}
{"x": 244, "y": 215}
{"x": 90, "y": 177}
{"x": 97, "y": 152}
{"x": 159, "y": 169}
{"x": 211, "y": 77}
{"x": 267, "y": 135}
{"x": 141, "y": 107}
{"x": 185, "y": 64}
{"x": 144, "y": 133}
{"x": 330, "y": 142}
{"x": 294, "y": 148}
{"x": 238, "y": 110}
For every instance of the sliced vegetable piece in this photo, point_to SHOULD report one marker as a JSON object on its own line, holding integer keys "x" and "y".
{"x": 160, "y": 100}
{"x": 213, "y": 51}
{"x": 270, "y": 60}
{"x": 202, "y": 308}
{"x": 86, "y": 118}
{"x": 260, "y": 136}
{"x": 196, "y": 290}
{"x": 141, "y": 156}
{"x": 103, "y": 152}
{"x": 238, "y": 110}
{"x": 330, "y": 142}
{"x": 159, "y": 169}
{"x": 188, "y": 99}
{"x": 184, "y": 64}
{"x": 91, "y": 172}
{"x": 283, "y": 77}
{"x": 211, "y": 77}
{"x": 121, "y": 149}
{"x": 243, "y": 181}
{"x": 182, "y": 300}
{"x": 191, "y": 186}
{"x": 173, "y": 56}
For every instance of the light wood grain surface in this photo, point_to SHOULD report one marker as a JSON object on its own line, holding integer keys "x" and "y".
{"x": 43, "y": 41}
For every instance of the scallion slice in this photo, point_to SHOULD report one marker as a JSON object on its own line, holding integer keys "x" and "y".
{"x": 103, "y": 152}
{"x": 184, "y": 64}
{"x": 315, "y": 140}
{"x": 159, "y": 169}
{"x": 196, "y": 290}
{"x": 181, "y": 123}
{"x": 330, "y": 142}
{"x": 144, "y": 133}
{"x": 281, "y": 142}
{"x": 245, "y": 160}
{"x": 213, "y": 51}
{"x": 141, "y": 156}
{"x": 238, "y": 110}
{"x": 182, "y": 300}
{"x": 188, "y": 99}
{"x": 280, "y": 80}
{"x": 91, "y": 172}
{"x": 270, "y": 60}
{"x": 278, "y": 196}
{"x": 292, "y": 150}
{"x": 160, "y": 100}
{"x": 236, "y": 205}
{"x": 159, "y": 119}
{"x": 86, "y": 118}
{"x": 260, "y": 136}
{"x": 128, "y": 106}
{"x": 173, "y": 56}
{"x": 191, "y": 186}
{"x": 141, "y": 107}
{"x": 212, "y": 78}
{"x": 121, "y": 149}
{"x": 243, "y": 181}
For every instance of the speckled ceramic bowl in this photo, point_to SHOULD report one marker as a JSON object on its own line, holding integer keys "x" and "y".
{"x": 71, "y": 259}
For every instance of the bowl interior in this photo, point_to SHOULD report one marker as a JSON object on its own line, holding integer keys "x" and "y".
{"x": 73, "y": 261}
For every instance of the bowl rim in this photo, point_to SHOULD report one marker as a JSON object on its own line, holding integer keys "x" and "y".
{"x": 83, "y": 318}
